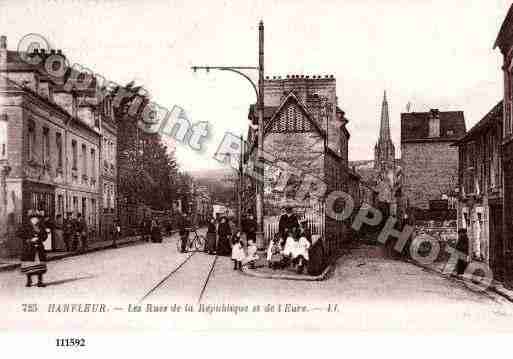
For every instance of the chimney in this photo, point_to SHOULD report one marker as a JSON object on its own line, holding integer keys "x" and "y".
{"x": 3, "y": 42}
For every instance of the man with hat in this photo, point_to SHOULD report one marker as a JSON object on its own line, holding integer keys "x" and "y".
{"x": 288, "y": 221}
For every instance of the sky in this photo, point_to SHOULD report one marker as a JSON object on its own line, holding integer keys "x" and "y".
{"x": 431, "y": 53}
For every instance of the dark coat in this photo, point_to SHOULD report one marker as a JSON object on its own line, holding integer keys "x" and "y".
{"x": 462, "y": 244}
{"x": 68, "y": 226}
{"x": 223, "y": 245}
{"x": 211, "y": 228}
{"x": 30, "y": 248}
{"x": 250, "y": 228}
{"x": 287, "y": 222}
{"x": 224, "y": 230}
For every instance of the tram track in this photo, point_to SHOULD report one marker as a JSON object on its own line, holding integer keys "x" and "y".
{"x": 177, "y": 271}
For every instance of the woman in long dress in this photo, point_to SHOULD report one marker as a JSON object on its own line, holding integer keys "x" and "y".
{"x": 224, "y": 231}
{"x": 33, "y": 256}
{"x": 210, "y": 246}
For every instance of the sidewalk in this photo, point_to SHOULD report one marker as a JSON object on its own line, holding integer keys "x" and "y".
{"x": 261, "y": 270}
{"x": 6, "y": 264}
{"x": 438, "y": 267}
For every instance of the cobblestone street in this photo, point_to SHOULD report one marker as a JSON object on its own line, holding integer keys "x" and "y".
{"x": 370, "y": 292}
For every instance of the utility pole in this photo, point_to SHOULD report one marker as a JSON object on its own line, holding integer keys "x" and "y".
{"x": 260, "y": 181}
{"x": 241, "y": 181}
{"x": 259, "y": 91}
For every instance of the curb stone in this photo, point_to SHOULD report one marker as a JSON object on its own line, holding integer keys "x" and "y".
{"x": 298, "y": 277}
{"x": 307, "y": 278}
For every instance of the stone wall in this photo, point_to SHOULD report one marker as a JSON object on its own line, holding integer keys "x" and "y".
{"x": 430, "y": 169}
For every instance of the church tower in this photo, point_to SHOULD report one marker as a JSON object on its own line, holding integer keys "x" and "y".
{"x": 384, "y": 151}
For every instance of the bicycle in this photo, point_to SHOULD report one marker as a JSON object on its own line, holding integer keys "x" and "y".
{"x": 197, "y": 243}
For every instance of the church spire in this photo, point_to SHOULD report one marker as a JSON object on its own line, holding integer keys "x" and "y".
{"x": 384, "y": 151}
{"x": 384, "y": 132}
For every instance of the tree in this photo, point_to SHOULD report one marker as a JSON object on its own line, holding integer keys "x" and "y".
{"x": 147, "y": 169}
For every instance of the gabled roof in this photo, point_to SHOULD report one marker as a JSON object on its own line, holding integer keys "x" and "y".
{"x": 415, "y": 126}
{"x": 505, "y": 29}
{"x": 491, "y": 118}
{"x": 271, "y": 113}
{"x": 292, "y": 98}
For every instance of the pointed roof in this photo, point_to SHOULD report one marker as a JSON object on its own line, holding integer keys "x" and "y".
{"x": 291, "y": 97}
{"x": 505, "y": 30}
{"x": 384, "y": 130}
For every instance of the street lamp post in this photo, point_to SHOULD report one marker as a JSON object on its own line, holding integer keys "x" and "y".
{"x": 259, "y": 92}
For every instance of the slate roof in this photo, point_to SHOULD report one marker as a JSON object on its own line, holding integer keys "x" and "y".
{"x": 415, "y": 126}
{"x": 491, "y": 118}
{"x": 505, "y": 32}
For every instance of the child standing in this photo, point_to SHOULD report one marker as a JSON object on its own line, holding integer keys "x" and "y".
{"x": 274, "y": 256}
{"x": 237, "y": 251}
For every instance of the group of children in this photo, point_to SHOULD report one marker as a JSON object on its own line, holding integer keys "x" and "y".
{"x": 281, "y": 252}
{"x": 292, "y": 250}
{"x": 239, "y": 254}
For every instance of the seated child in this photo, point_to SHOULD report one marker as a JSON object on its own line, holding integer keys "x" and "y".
{"x": 300, "y": 252}
{"x": 289, "y": 249}
{"x": 274, "y": 256}
{"x": 237, "y": 251}
{"x": 252, "y": 253}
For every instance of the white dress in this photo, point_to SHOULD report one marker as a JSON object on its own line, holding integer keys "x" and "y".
{"x": 252, "y": 253}
{"x": 289, "y": 247}
{"x": 238, "y": 252}
{"x": 301, "y": 248}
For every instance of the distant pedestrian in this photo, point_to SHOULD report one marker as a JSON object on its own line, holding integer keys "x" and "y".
{"x": 144, "y": 229}
{"x": 183, "y": 231}
{"x": 68, "y": 231}
{"x": 81, "y": 232}
{"x": 58, "y": 233}
{"x": 462, "y": 247}
{"x": 33, "y": 256}
{"x": 210, "y": 245}
{"x": 116, "y": 236}
{"x": 156, "y": 235}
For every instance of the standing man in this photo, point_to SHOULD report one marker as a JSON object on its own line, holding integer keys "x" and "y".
{"x": 68, "y": 231}
{"x": 81, "y": 231}
{"x": 183, "y": 227}
{"x": 250, "y": 228}
{"x": 58, "y": 232}
{"x": 288, "y": 221}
